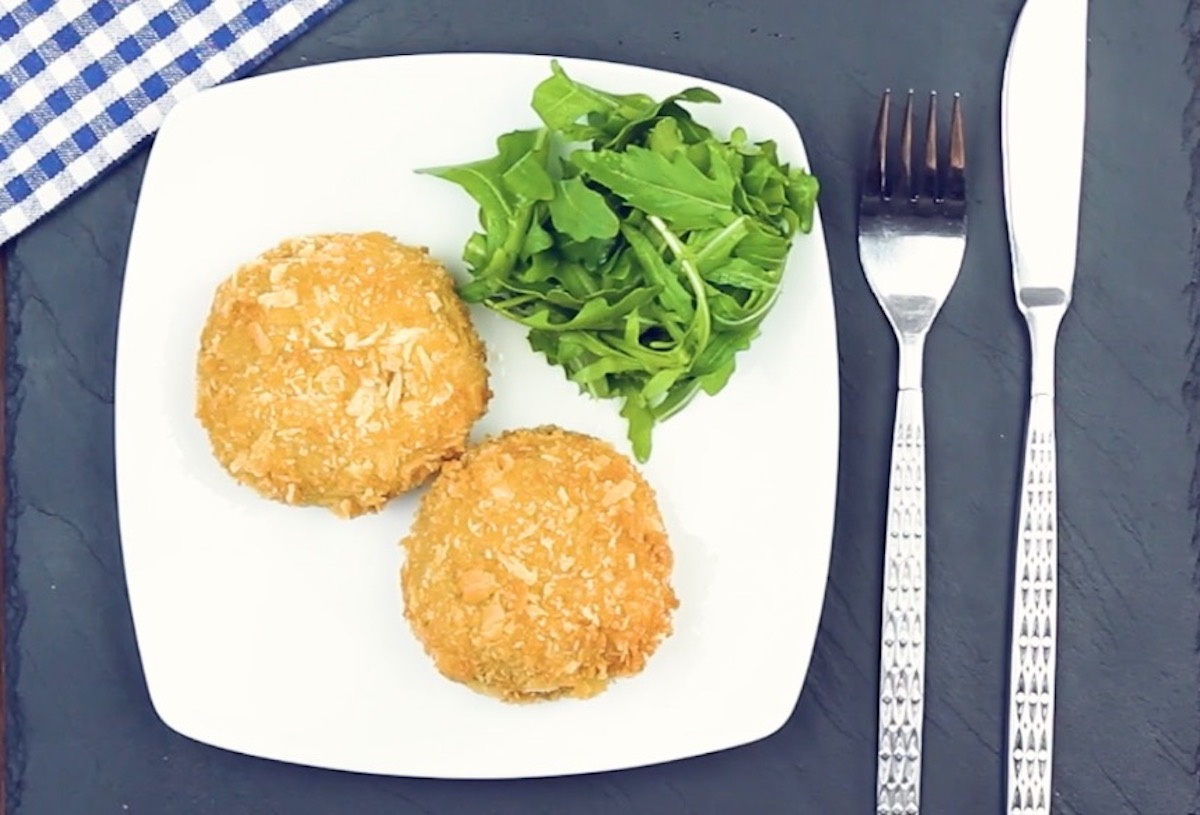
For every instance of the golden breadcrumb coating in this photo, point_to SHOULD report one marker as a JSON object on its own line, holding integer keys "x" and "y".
{"x": 339, "y": 370}
{"x": 538, "y": 567}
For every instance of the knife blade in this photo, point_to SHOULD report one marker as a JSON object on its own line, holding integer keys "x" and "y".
{"x": 1042, "y": 131}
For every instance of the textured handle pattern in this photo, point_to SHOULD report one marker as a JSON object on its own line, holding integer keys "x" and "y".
{"x": 902, "y": 649}
{"x": 1034, "y": 624}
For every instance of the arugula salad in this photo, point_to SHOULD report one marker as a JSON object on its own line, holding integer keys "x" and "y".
{"x": 641, "y": 251}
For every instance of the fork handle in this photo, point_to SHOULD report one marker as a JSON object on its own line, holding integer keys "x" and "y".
{"x": 1034, "y": 623}
{"x": 902, "y": 644}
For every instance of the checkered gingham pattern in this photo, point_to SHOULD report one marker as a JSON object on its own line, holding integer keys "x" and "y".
{"x": 84, "y": 82}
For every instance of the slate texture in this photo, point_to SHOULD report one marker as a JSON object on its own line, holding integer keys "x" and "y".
{"x": 84, "y": 739}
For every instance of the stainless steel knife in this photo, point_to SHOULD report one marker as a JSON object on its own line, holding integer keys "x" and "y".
{"x": 1042, "y": 122}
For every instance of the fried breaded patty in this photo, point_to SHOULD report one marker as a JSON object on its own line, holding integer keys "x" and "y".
{"x": 538, "y": 566}
{"x": 339, "y": 370}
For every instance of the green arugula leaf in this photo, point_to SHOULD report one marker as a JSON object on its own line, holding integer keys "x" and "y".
{"x": 743, "y": 274}
{"x": 713, "y": 247}
{"x": 537, "y": 239}
{"x": 591, "y": 253}
{"x": 671, "y": 188}
{"x": 528, "y": 179}
{"x": 665, "y": 138}
{"x": 802, "y": 191}
{"x": 668, "y": 110}
{"x": 763, "y": 248}
{"x": 693, "y": 95}
{"x": 604, "y": 367}
{"x": 596, "y": 313}
{"x": 561, "y": 101}
{"x": 641, "y": 423}
{"x": 660, "y": 383}
{"x": 580, "y": 212}
{"x": 483, "y": 180}
{"x": 674, "y": 296}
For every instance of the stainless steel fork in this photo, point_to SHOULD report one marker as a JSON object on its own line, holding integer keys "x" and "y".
{"x": 911, "y": 239}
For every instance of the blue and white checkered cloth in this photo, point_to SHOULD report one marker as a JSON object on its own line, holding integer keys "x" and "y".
{"x": 83, "y": 82}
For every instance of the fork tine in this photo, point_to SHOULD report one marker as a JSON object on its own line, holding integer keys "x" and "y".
{"x": 956, "y": 182}
{"x": 876, "y": 180}
{"x": 929, "y": 174}
{"x": 904, "y": 185}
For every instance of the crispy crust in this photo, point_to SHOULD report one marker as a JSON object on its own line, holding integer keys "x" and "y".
{"x": 339, "y": 370}
{"x": 538, "y": 567}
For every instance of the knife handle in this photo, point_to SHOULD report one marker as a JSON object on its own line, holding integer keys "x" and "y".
{"x": 1034, "y": 622}
{"x": 902, "y": 644}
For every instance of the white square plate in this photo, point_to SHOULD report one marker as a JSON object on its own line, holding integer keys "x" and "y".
{"x": 278, "y": 631}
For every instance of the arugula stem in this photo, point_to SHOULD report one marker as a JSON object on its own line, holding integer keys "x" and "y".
{"x": 501, "y": 262}
{"x": 673, "y": 331}
{"x": 758, "y": 313}
{"x": 702, "y": 321}
{"x": 735, "y": 227}
{"x": 652, "y": 359}
{"x": 676, "y": 400}
{"x": 513, "y": 302}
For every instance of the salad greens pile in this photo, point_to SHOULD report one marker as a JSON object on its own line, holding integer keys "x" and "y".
{"x": 641, "y": 251}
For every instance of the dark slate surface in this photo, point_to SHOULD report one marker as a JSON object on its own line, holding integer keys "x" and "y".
{"x": 85, "y": 740}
